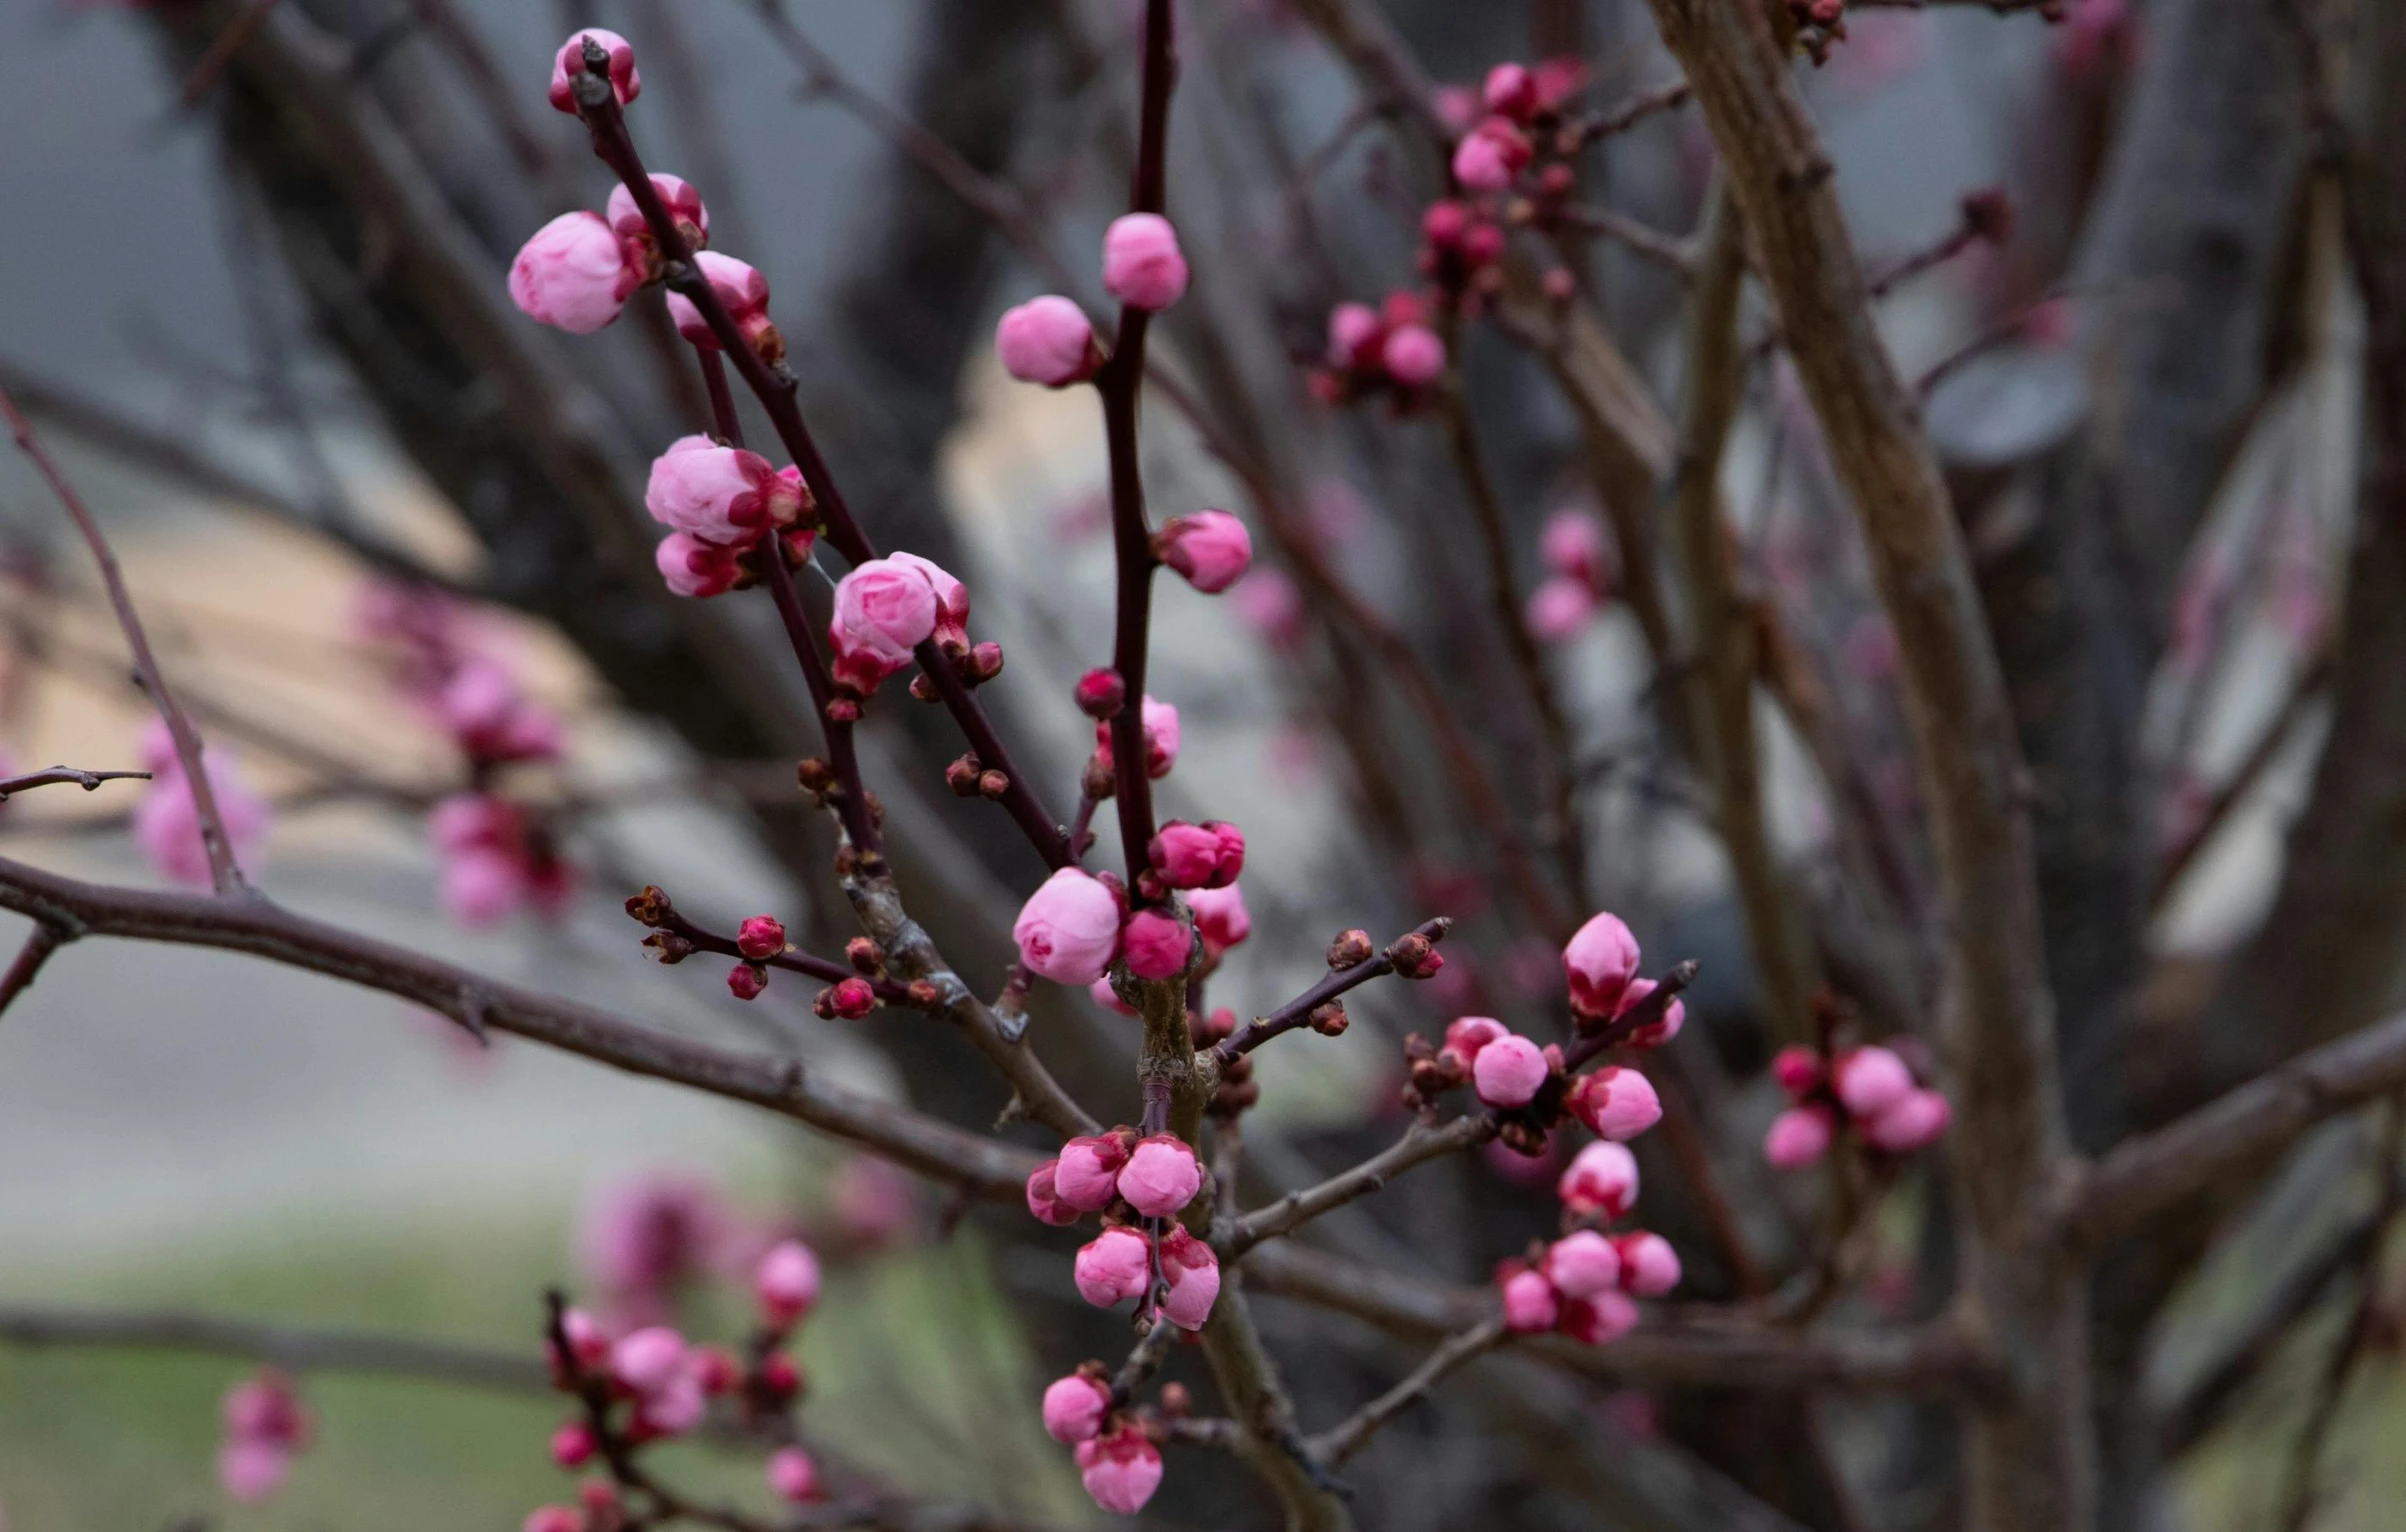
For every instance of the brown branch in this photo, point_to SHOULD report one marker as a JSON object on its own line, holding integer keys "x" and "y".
{"x": 1337, "y": 981}
{"x": 40, "y": 943}
{"x": 89, "y": 781}
{"x": 1351, "y": 1435}
{"x": 257, "y": 927}
{"x": 1420, "y": 1144}
{"x": 1637, "y": 237}
{"x": 296, "y": 1349}
{"x": 226, "y": 877}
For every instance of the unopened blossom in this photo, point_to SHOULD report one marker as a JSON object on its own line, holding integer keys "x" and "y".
{"x": 1491, "y": 155}
{"x": 1270, "y": 604}
{"x": 1798, "y": 1137}
{"x": 1649, "y": 1266}
{"x": 1353, "y": 328}
{"x": 573, "y": 274}
{"x": 1414, "y": 355}
{"x": 1087, "y": 1177}
{"x": 649, "y": 1360}
{"x": 1208, "y": 855}
{"x": 952, "y": 597}
{"x": 1917, "y": 1121}
{"x": 1602, "y": 1179}
{"x": 1210, "y": 550}
{"x": 786, "y": 1281}
{"x": 1121, "y": 1470}
{"x": 643, "y": 1235}
{"x": 793, "y": 1476}
{"x": 739, "y": 288}
{"x": 1142, "y": 265}
{"x": 1530, "y": 1303}
{"x": 883, "y": 611}
{"x": 1615, "y": 1103}
{"x": 1047, "y": 340}
{"x": 1598, "y": 1321}
{"x": 1192, "y": 1271}
{"x": 719, "y": 494}
{"x": 1068, "y": 931}
{"x": 1600, "y": 960}
{"x": 1156, "y": 944}
{"x": 1117, "y": 1264}
{"x": 692, "y": 567}
{"x": 1510, "y": 91}
{"x": 625, "y": 82}
{"x": 1221, "y": 918}
{"x": 1659, "y": 1031}
{"x": 677, "y": 195}
{"x": 573, "y": 1446}
{"x": 1074, "y": 1407}
{"x": 875, "y": 1202}
{"x": 1508, "y": 1071}
{"x": 1572, "y": 544}
{"x": 588, "y": 1343}
{"x": 1797, "y": 1069}
{"x": 1161, "y": 1177}
{"x": 1467, "y": 1035}
{"x": 265, "y": 1427}
{"x": 1044, "y": 1195}
{"x": 552, "y": 1518}
{"x": 1162, "y": 738}
{"x": 1868, "y": 1081}
{"x": 1559, "y": 609}
{"x": 1583, "y": 1264}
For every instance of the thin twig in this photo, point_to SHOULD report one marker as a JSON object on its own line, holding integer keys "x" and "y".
{"x": 43, "y": 940}
{"x": 1350, "y": 1436}
{"x": 291, "y": 1347}
{"x": 1336, "y": 982}
{"x": 89, "y": 781}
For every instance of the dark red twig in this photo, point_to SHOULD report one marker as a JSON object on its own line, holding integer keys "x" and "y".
{"x": 40, "y": 942}
{"x": 1335, "y": 982}
{"x": 89, "y": 781}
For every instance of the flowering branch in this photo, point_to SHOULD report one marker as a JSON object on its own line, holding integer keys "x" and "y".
{"x": 1413, "y": 947}
{"x": 223, "y": 874}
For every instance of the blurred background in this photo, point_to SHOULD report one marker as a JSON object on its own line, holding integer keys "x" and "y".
{"x": 228, "y": 296}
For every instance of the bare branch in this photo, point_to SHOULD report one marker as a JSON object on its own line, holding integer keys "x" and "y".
{"x": 52, "y": 776}
{"x": 298, "y": 1349}
{"x": 1350, "y": 1436}
{"x": 1336, "y": 982}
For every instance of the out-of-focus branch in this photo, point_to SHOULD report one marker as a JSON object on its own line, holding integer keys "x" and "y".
{"x": 1419, "y": 1145}
{"x": 261, "y": 929}
{"x": 226, "y": 877}
{"x": 287, "y": 1346}
{"x": 1335, "y": 982}
{"x": 26, "y": 966}
{"x": 1351, "y": 1435}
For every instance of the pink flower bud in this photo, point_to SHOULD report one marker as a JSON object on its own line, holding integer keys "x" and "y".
{"x": 1074, "y": 1408}
{"x": 1088, "y": 1175}
{"x": 675, "y": 1408}
{"x": 1208, "y": 855}
{"x": 741, "y": 289}
{"x": 1162, "y": 737}
{"x": 573, "y": 275}
{"x": 747, "y": 981}
{"x": 1466, "y": 1035}
{"x": 1572, "y": 544}
{"x": 760, "y": 936}
{"x": 1913, "y": 1123}
{"x": 625, "y": 83}
{"x": 692, "y": 567}
{"x": 1414, "y": 355}
{"x": 251, "y": 1471}
{"x": 952, "y": 598}
{"x": 553, "y": 1518}
{"x": 1654, "y": 1033}
{"x": 649, "y": 1360}
{"x": 1047, "y": 340}
{"x": 1141, "y": 263}
{"x": 1352, "y": 329}
{"x": 589, "y": 1345}
{"x": 1116, "y": 1264}
{"x": 851, "y": 998}
{"x": 1797, "y": 1068}
{"x": 1618, "y": 1104}
{"x": 883, "y": 610}
{"x": 1161, "y": 1177}
{"x": 1508, "y": 1071}
{"x": 1599, "y": 1321}
{"x": 1211, "y": 550}
{"x": 1221, "y": 918}
{"x": 1511, "y": 91}
{"x": 1600, "y": 961}
{"x": 1271, "y": 606}
{"x": 1192, "y": 1271}
{"x": 1044, "y": 1195}
{"x": 1797, "y": 1137}
{"x": 1582, "y": 1265}
{"x": 684, "y": 205}
{"x": 572, "y": 1445}
{"x": 1868, "y": 1081}
{"x": 1108, "y": 998}
{"x": 1101, "y": 693}
{"x": 1602, "y": 1179}
{"x": 786, "y": 1282}
{"x": 793, "y": 1476}
{"x": 1157, "y": 944}
{"x": 1558, "y": 609}
{"x": 1649, "y": 1266}
{"x": 1121, "y": 1470}
{"x": 1068, "y": 931}
{"x": 1484, "y": 161}
{"x": 721, "y": 495}
{"x": 1530, "y": 1305}
{"x": 1482, "y": 245}
{"x": 481, "y": 887}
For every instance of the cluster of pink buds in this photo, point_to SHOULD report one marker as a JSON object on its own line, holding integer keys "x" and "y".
{"x": 498, "y": 857}
{"x": 1390, "y": 350}
{"x": 1870, "y": 1090}
{"x": 1210, "y": 550}
{"x": 1076, "y": 925}
{"x": 1049, "y": 340}
{"x": 578, "y": 270}
{"x": 1101, "y": 694}
{"x": 1131, "y": 1179}
{"x": 1585, "y": 1283}
{"x": 167, "y": 824}
{"x": 723, "y": 505}
{"x": 885, "y": 609}
{"x": 1119, "y": 1457}
{"x": 643, "y": 1237}
{"x": 1579, "y": 566}
{"x": 266, "y": 1426}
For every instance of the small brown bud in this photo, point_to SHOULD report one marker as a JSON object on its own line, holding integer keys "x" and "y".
{"x": 1416, "y": 1048}
{"x": 1429, "y": 1078}
{"x": 814, "y": 776}
{"x": 1415, "y": 956}
{"x": 1176, "y": 1402}
{"x": 962, "y": 774}
{"x": 993, "y": 784}
{"x": 984, "y": 663}
{"x": 864, "y": 955}
{"x": 843, "y": 710}
{"x": 1351, "y": 949}
{"x": 1098, "y": 782}
{"x": 1522, "y": 1138}
{"x": 924, "y": 994}
{"x": 877, "y": 814}
{"x": 667, "y": 947}
{"x": 1329, "y": 1020}
{"x": 924, "y": 689}
{"x": 651, "y": 907}
{"x": 847, "y": 860}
